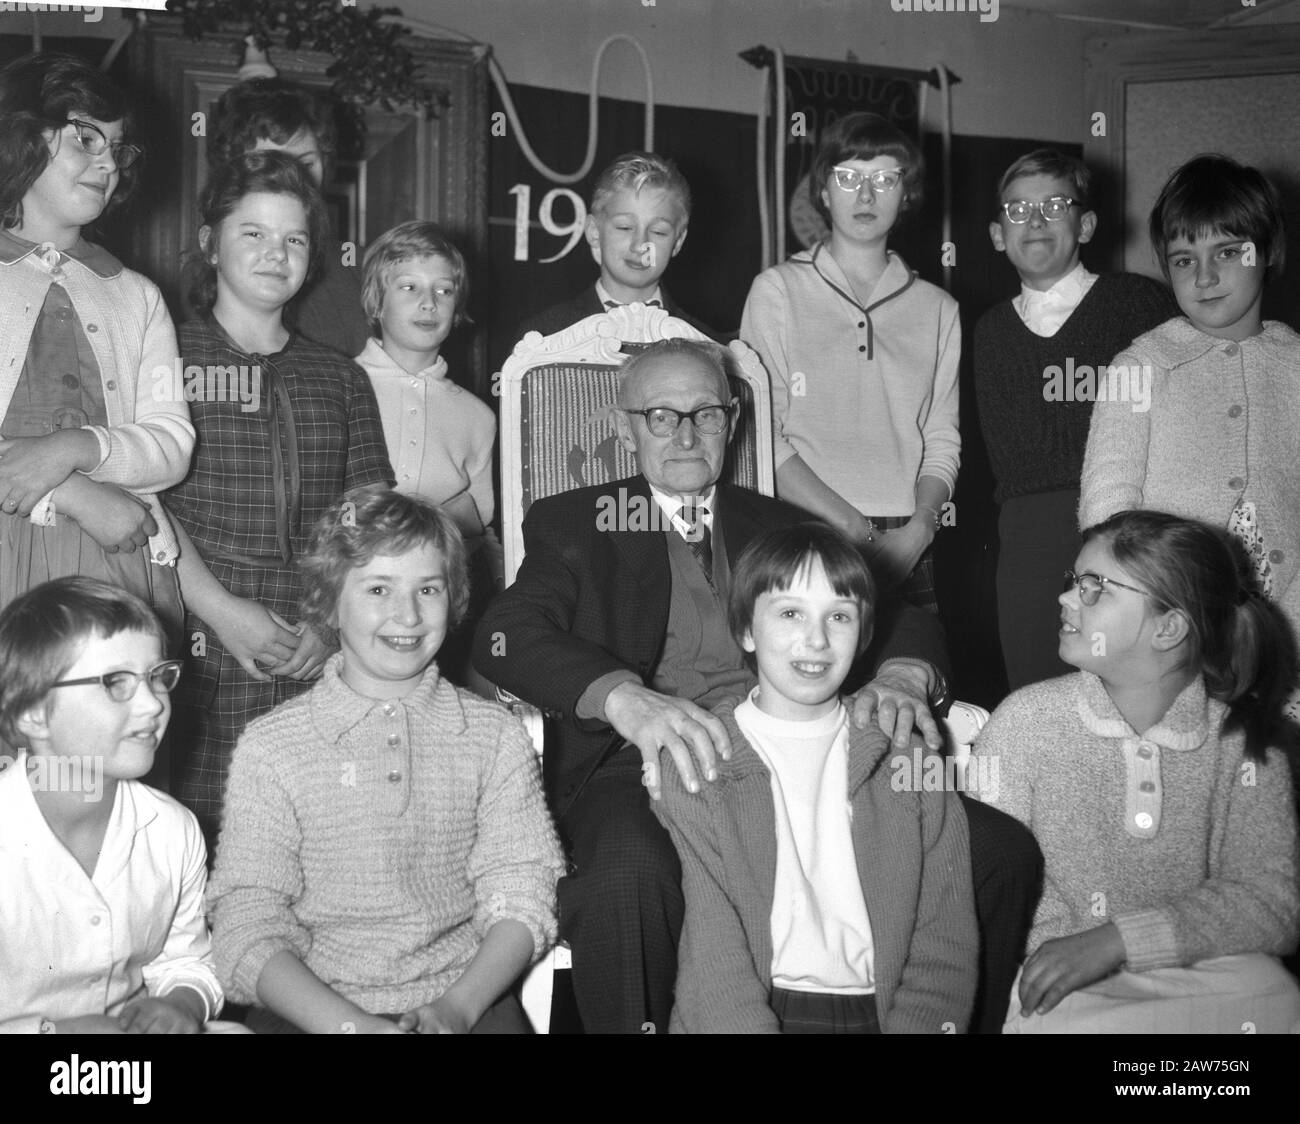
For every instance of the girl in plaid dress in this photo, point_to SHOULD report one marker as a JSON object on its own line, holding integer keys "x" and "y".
{"x": 286, "y": 427}
{"x": 86, "y": 440}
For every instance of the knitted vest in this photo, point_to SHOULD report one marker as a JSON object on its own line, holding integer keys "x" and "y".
{"x": 1036, "y": 445}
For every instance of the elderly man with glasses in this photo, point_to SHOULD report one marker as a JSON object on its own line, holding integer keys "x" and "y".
{"x": 619, "y": 633}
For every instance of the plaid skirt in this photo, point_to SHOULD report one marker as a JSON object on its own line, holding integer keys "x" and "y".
{"x": 217, "y": 698}
{"x": 822, "y": 1012}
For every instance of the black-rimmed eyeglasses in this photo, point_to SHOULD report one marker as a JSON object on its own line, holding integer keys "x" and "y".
{"x": 663, "y": 421}
{"x": 122, "y": 685}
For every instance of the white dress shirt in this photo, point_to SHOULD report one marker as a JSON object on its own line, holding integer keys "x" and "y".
{"x": 73, "y": 944}
{"x": 1045, "y": 310}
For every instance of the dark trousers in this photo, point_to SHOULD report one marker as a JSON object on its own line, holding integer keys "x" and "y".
{"x": 1007, "y": 872}
{"x": 621, "y": 905}
{"x": 1038, "y": 538}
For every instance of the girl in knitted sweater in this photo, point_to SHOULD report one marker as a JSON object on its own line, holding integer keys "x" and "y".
{"x": 387, "y": 863}
{"x": 1153, "y": 782}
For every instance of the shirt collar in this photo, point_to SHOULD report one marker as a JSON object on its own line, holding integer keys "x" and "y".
{"x": 99, "y": 261}
{"x": 336, "y": 708}
{"x": 670, "y": 505}
{"x": 19, "y": 810}
{"x": 1068, "y": 290}
{"x": 896, "y": 278}
{"x": 373, "y": 354}
{"x": 603, "y": 294}
{"x": 1179, "y": 341}
{"x": 1185, "y": 725}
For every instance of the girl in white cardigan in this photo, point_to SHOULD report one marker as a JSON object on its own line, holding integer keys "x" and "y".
{"x": 1153, "y": 783}
{"x": 89, "y": 428}
{"x": 1210, "y": 432}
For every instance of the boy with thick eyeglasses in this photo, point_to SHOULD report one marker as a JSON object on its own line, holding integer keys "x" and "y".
{"x": 1066, "y": 323}
{"x": 102, "y": 927}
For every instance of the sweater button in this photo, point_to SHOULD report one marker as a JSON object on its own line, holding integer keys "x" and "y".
{"x": 862, "y": 323}
{"x": 1144, "y": 752}
{"x": 1231, "y": 349}
{"x": 1146, "y": 786}
{"x": 390, "y": 710}
{"x": 92, "y": 327}
{"x": 1276, "y": 556}
{"x": 395, "y": 776}
{"x": 862, "y": 347}
{"x": 110, "y": 385}
{"x": 1143, "y": 820}
{"x": 1236, "y": 483}
{"x": 1234, "y": 411}
{"x": 393, "y": 739}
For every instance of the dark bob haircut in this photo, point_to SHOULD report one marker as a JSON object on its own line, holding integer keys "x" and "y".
{"x": 40, "y": 92}
{"x": 43, "y": 631}
{"x": 864, "y": 136}
{"x": 775, "y": 559}
{"x": 368, "y": 522}
{"x": 268, "y": 171}
{"x": 1212, "y": 192}
{"x": 268, "y": 109}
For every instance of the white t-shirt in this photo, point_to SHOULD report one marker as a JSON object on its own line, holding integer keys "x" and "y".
{"x": 821, "y": 934}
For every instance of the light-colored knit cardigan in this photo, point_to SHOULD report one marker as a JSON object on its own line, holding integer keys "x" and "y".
{"x": 147, "y": 443}
{"x": 1201, "y": 864}
{"x": 913, "y": 857}
{"x": 1222, "y": 426}
{"x": 379, "y": 840}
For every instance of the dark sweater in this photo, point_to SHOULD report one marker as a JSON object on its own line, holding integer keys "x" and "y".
{"x": 1036, "y": 445}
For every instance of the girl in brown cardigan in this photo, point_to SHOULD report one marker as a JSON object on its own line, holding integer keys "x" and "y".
{"x": 822, "y": 896}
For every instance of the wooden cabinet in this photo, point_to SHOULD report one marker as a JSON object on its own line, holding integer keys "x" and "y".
{"x": 412, "y": 165}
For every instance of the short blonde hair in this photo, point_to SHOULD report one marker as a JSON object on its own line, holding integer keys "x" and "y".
{"x": 368, "y": 522}
{"x": 639, "y": 170}
{"x": 409, "y": 241}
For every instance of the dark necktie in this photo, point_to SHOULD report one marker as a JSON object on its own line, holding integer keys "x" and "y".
{"x": 698, "y": 539}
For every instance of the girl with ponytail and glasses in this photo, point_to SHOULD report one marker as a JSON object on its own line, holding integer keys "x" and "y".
{"x": 1155, "y": 785}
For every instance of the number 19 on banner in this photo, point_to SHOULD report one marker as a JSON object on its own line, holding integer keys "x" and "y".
{"x": 523, "y": 194}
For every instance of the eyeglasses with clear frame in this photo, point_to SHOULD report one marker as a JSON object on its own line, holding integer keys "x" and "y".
{"x": 850, "y": 179}
{"x": 122, "y": 685}
{"x": 1090, "y": 586}
{"x": 663, "y": 421}
{"x": 1054, "y": 209}
{"x": 93, "y": 143}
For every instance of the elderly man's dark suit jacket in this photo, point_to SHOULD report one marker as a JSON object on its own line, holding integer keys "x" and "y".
{"x": 589, "y": 600}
